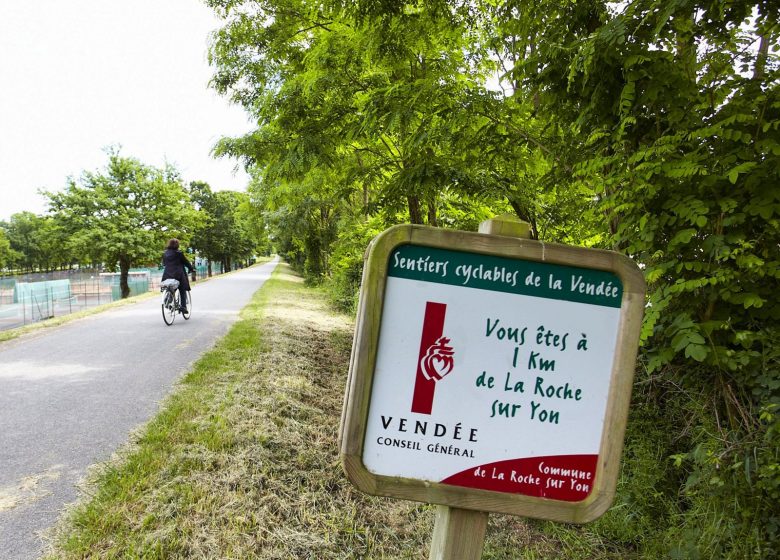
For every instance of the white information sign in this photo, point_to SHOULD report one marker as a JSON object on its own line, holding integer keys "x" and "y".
{"x": 492, "y": 373}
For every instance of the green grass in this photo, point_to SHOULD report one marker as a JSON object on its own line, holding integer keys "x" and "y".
{"x": 242, "y": 460}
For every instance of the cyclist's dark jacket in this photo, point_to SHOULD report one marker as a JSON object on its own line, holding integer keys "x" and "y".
{"x": 175, "y": 262}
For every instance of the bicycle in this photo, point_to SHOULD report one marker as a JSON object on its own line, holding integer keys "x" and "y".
{"x": 171, "y": 305}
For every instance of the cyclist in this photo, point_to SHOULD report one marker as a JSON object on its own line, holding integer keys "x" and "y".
{"x": 175, "y": 262}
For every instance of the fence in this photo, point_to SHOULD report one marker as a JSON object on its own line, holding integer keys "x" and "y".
{"x": 26, "y": 299}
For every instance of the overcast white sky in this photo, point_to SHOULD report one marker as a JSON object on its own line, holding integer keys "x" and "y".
{"x": 77, "y": 76}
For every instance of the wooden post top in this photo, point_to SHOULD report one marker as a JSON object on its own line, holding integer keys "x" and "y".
{"x": 506, "y": 225}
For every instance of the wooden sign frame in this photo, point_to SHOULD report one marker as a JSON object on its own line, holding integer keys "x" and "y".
{"x": 354, "y": 419}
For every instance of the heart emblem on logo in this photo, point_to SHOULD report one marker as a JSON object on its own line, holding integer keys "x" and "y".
{"x": 438, "y": 361}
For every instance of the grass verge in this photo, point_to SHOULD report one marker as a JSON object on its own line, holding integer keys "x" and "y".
{"x": 241, "y": 461}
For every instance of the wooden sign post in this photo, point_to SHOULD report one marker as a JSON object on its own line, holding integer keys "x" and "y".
{"x": 490, "y": 374}
{"x": 460, "y": 533}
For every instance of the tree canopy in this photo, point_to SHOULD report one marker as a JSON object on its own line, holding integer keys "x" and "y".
{"x": 6, "y": 253}
{"x": 227, "y": 231}
{"x": 34, "y": 242}
{"x": 125, "y": 214}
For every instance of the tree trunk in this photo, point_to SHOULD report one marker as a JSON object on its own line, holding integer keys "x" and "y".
{"x": 761, "y": 56}
{"x": 432, "y": 214}
{"x": 124, "y": 270}
{"x": 526, "y": 216}
{"x": 209, "y": 268}
{"x": 365, "y": 184}
{"x": 415, "y": 214}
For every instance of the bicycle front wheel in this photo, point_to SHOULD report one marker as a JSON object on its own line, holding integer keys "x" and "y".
{"x": 169, "y": 305}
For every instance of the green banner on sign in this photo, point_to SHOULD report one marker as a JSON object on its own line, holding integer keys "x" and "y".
{"x": 500, "y": 274}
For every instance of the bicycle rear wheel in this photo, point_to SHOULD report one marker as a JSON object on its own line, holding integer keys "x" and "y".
{"x": 186, "y": 314}
{"x": 169, "y": 306}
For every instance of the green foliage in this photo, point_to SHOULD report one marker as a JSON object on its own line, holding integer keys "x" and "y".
{"x": 35, "y": 242}
{"x": 302, "y": 218}
{"x": 681, "y": 154}
{"x": 347, "y": 260}
{"x": 364, "y": 113}
{"x": 6, "y": 253}
{"x": 227, "y": 231}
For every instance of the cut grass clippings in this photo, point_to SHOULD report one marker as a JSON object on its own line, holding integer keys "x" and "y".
{"x": 242, "y": 460}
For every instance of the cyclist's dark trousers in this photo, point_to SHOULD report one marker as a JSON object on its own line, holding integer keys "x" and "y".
{"x": 182, "y": 296}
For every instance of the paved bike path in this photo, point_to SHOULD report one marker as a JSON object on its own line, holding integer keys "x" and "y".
{"x": 70, "y": 396}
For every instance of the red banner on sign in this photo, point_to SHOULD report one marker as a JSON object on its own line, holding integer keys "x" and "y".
{"x": 568, "y": 478}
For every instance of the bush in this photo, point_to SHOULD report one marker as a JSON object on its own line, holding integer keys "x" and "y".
{"x": 347, "y": 260}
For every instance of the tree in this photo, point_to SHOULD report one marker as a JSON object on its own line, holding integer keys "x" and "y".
{"x": 225, "y": 232}
{"x": 125, "y": 213}
{"x": 350, "y": 119}
{"x": 675, "y": 127}
{"x": 22, "y": 230}
{"x": 37, "y": 242}
{"x": 6, "y": 253}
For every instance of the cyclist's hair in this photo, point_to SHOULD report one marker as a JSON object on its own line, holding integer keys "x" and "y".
{"x": 173, "y": 244}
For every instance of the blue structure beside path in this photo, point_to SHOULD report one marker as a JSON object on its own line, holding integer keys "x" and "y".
{"x": 41, "y": 291}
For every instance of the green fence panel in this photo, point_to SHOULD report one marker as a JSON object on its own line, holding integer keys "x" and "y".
{"x": 39, "y": 291}
{"x": 137, "y": 281}
{"x": 137, "y": 286}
